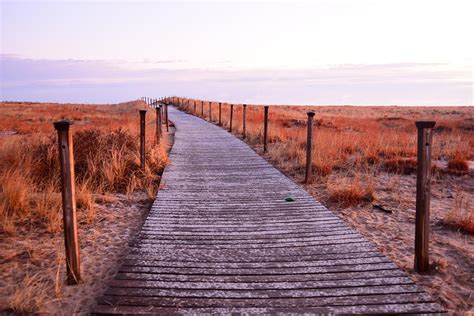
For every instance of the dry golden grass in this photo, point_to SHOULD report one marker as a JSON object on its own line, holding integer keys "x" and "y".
{"x": 458, "y": 166}
{"x": 461, "y": 215}
{"x": 350, "y": 191}
{"x": 106, "y": 153}
{"x": 353, "y": 139}
{"x": 106, "y": 156}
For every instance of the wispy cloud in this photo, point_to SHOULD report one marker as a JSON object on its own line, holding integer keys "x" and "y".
{"x": 111, "y": 81}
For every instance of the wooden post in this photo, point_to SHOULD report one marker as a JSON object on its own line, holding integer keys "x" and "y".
{"x": 202, "y": 108}
{"x": 167, "y": 122}
{"x": 220, "y": 113}
{"x": 162, "y": 112}
{"x": 231, "y": 115}
{"x": 309, "y": 148}
{"x": 158, "y": 124}
{"x": 210, "y": 115}
{"x": 265, "y": 128}
{"x": 66, "y": 159}
{"x": 142, "y": 139}
{"x": 195, "y": 112}
{"x": 244, "y": 110}
{"x": 423, "y": 191}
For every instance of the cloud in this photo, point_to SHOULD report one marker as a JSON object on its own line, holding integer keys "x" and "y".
{"x": 100, "y": 81}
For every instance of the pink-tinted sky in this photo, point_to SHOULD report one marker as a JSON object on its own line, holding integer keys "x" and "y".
{"x": 318, "y": 52}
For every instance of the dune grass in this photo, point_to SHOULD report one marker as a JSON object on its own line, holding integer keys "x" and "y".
{"x": 107, "y": 163}
{"x": 106, "y": 152}
{"x": 353, "y": 142}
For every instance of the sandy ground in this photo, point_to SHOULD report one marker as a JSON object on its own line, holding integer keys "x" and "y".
{"x": 32, "y": 265}
{"x": 451, "y": 279}
{"x": 33, "y": 271}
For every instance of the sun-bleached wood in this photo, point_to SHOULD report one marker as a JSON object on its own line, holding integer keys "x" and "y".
{"x": 221, "y": 238}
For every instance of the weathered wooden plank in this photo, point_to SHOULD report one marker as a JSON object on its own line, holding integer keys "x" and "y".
{"x": 242, "y": 229}
{"x": 254, "y": 265}
{"x": 295, "y": 234}
{"x": 256, "y": 253}
{"x": 249, "y": 234}
{"x": 232, "y": 224}
{"x": 144, "y": 294}
{"x": 250, "y": 271}
{"x": 283, "y": 239}
{"x": 260, "y": 260}
{"x": 250, "y": 244}
{"x": 403, "y": 304}
{"x": 123, "y": 284}
{"x": 267, "y": 278}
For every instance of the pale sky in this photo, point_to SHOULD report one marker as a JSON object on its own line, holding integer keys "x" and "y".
{"x": 295, "y": 52}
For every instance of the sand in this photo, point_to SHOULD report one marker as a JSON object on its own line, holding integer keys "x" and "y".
{"x": 33, "y": 272}
{"x": 451, "y": 280}
{"x": 32, "y": 265}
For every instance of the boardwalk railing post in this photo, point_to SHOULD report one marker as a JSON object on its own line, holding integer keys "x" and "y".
{"x": 195, "y": 112}
{"x": 309, "y": 148}
{"x": 66, "y": 158}
{"x": 231, "y": 116}
{"x": 158, "y": 124}
{"x": 423, "y": 191}
{"x": 142, "y": 139}
{"x": 210, "y": 115}
{"x": 265, "y": 128}
{"x": 162, "y": 112}
{"x": 166, "y": 115}
{"x": 202, "y": 109}
{"x": 244, "y": 110}
{"x": 220, "y": 113}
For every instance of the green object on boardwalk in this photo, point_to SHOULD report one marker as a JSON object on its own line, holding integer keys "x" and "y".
{"x": 290, "y": 199}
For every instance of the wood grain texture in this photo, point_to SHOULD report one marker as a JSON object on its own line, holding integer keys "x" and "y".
{"x": 221, "y": 238}
{"x": 68, "y": 192}
{"x": 423, "y": 193}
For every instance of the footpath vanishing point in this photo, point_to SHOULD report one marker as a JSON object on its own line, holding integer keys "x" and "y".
{"x": 221, "y": 237}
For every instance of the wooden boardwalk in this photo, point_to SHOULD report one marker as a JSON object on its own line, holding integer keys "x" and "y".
{"x": 221, "y": 238}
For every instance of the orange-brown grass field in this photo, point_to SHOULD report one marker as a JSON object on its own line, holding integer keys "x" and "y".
{"x": 366, "y": 156}
{"x": 112, "y": 195}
